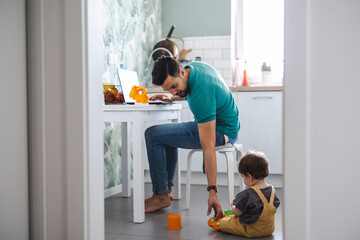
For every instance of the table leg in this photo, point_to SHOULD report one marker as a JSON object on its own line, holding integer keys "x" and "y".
{"x": 177, "y": 177}
{"x": 125, "y": 160}
{"x": 138, "y": 169}
{"x": 177, "y": 183}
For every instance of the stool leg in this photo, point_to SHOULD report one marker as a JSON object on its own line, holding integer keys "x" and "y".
{"x": 188, "y": 179}
{"x": 230, "y": 173}
{"x": 238, "y": 157}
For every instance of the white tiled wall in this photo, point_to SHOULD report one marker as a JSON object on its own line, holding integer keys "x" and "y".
{"x": 214, "y": 50}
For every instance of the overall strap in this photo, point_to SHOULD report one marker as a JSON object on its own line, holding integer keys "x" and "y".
{"x": 261, "y": 195}
{"x": 272, "y": 196}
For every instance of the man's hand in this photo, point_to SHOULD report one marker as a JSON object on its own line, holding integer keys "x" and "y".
{"x": 161, "y": 97}
{"x": 213, "y": 203}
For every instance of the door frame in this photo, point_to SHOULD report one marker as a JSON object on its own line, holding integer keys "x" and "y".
{"x": 65, "y": 119}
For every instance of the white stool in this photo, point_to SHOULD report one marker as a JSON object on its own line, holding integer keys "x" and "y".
{"x": 227, "y": 150}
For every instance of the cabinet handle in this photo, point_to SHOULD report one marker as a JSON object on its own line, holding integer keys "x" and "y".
{"x": 263, "y": 97}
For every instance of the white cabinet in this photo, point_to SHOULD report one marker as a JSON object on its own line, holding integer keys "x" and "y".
{"x": 261, "y": 124}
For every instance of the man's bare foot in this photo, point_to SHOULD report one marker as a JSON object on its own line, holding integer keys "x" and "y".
{"x": 171, "y": 196}
{"x": 170, "y": 193}
{"x": 157, "y": 202}
{"x": 147, "y": 200}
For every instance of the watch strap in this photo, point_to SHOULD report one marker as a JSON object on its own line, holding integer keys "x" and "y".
{"x": 212, "y": 187}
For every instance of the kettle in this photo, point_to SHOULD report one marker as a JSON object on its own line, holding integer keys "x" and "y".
{"x": 167, "y": 44}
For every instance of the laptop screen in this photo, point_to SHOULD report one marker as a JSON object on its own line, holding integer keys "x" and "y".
{"x": 127, "y": 80}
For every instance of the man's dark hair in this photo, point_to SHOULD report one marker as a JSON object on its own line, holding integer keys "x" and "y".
{"x": 163, "y": 67}
{"x": 256, "y": 164}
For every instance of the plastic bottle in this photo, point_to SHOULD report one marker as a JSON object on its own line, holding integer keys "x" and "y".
{"x": 237, "y": 78}
{"x": 245, "y": 82}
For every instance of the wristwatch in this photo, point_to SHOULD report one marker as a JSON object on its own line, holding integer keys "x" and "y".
{"x": 213, "y": 187}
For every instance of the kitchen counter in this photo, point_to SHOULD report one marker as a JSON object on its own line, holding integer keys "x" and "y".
{"x": 252, "y": 88}
{"x": 256, "y": 88}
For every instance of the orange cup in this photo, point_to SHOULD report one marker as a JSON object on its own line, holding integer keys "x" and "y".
{"x": 174, "y": 222}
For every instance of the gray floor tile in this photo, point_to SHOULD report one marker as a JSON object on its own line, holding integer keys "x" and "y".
{"x": 109, "y": 236}
{"x": 119, "y": 203}
{"x": 136, "y": 237}
{"x": 192, "y": 228}
{"x": 117, "y": 221}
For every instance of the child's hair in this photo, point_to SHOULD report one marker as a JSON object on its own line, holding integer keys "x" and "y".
{"x": 254, "y": 163}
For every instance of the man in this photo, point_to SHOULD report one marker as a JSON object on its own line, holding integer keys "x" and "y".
{"x": 216, "y": 123}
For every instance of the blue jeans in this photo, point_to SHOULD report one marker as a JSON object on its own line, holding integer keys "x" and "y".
{"x": 162, "y": 142}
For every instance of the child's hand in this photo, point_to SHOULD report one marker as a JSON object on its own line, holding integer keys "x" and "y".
{"x": 236, "y": 211}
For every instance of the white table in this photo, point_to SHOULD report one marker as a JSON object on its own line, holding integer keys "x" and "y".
{"x": 138, "y": 114}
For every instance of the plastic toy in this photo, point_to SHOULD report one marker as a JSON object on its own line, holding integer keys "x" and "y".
{"x": 228, "y": 213}
{"x": 174, "y": 222}
{"x": 216, "y": 224}
{"x": 139, "y": 94}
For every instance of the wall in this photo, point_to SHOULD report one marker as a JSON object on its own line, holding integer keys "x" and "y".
{"x": 204, "y": 26}
{"x": 14, "y": 207}
{"x": 321, "y": 120}
{"x": 131, "y": 29}
{"x": 214, "y": 50}
{"x": 196, "y": 18}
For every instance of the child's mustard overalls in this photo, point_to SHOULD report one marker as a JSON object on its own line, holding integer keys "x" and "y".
{"x": 264, "y": 225}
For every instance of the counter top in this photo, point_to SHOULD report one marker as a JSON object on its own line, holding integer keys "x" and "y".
{"x": 256, "y": 88}
{"x": 252, "y": 88}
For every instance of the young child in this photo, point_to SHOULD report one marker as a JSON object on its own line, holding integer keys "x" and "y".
{"x": 254, "y": 208}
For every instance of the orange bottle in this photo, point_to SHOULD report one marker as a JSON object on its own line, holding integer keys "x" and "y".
{"x": 245, "y": 82}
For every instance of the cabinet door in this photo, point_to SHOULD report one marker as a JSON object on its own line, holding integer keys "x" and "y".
{"x": 261, "y": 125}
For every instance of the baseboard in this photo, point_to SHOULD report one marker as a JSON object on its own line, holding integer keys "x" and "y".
{"x": 199, "y": 178}
{"x": 115, "y": 190}
{"x": 112, "y": 191}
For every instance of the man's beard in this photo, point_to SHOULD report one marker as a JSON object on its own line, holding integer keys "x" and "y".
{"x": 183, "y": 94}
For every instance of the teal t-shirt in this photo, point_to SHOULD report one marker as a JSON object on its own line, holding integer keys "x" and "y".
{"x": 210, "y": 98}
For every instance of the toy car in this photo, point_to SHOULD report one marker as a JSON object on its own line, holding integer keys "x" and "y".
{"x": 216, "y": 224}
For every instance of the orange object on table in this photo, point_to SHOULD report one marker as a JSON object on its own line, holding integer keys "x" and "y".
{"x": 139, "y": 94}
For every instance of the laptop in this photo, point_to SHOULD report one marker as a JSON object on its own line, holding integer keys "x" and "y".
{"x": 127, "y": 80}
